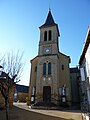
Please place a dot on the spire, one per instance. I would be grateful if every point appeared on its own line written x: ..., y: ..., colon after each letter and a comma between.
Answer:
x: 49, y: 19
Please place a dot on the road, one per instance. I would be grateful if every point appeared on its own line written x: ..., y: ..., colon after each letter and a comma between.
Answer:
x: 21, y: 111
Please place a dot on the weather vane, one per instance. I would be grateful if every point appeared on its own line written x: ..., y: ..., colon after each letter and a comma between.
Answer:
x: 49, y: 6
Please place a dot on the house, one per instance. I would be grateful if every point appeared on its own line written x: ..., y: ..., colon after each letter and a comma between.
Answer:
x: 50, y: 73
x: 21, y: 92
x: 84, y: 64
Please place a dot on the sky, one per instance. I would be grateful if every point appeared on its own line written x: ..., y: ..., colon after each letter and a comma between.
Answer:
x: 20, y: 21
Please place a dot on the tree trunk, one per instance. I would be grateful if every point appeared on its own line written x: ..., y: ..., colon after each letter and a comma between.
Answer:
x: 7, y: 108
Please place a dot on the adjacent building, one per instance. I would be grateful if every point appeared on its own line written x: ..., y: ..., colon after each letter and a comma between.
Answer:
x: 21, y: 93
x: 50, y: 73
x: 75, y: 93
x: 84, y: 63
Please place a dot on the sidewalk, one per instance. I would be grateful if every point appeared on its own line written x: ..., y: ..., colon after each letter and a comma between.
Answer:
x: 69, y: 115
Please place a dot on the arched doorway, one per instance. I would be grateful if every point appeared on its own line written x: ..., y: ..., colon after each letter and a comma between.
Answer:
x: 46, y: 94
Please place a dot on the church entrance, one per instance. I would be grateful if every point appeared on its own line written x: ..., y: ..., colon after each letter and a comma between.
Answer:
x: 46, y: 94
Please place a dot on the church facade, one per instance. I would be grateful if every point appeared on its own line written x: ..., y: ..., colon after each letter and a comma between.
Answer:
x: 50, y: 73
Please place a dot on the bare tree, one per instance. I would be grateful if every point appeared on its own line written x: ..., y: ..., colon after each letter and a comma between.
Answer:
x: 12, y: 68
x: 12, y: 64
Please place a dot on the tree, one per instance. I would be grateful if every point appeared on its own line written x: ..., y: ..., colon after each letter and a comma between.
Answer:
x: 12, y: 68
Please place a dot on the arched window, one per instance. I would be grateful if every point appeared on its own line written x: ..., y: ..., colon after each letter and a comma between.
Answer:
x: 49, y: 68
x: 44, y: 69
x: 45, y: 36
x: 50, y: 35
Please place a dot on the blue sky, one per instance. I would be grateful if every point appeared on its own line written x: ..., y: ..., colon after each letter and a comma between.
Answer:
x: 20, y: 19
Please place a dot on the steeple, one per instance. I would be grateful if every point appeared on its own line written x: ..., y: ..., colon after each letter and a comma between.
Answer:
x: 49, y: 20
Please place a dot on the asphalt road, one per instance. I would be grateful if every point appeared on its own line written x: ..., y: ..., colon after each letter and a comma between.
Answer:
x: 23, y: 112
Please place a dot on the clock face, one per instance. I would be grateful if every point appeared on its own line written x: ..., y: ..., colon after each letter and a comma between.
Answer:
x: 47, y: 50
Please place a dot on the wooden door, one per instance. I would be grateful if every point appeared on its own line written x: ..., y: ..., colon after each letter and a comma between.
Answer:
x: 47, y: 94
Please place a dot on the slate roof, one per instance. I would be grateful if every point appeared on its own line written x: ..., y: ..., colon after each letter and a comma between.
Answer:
x: 50, y: 22
x: 49, y: 19
x: 22, y: 88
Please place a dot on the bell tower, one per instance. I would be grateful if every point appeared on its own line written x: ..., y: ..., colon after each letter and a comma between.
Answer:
x: 49, y: 34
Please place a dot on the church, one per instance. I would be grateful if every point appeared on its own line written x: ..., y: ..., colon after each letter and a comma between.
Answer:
x: 50, y: 73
